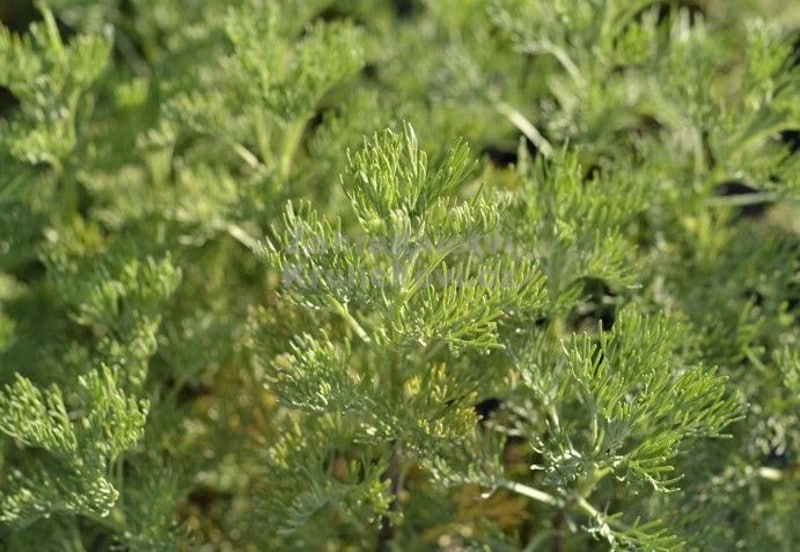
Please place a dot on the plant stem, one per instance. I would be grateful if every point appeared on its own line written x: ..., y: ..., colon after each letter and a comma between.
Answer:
x: 342, y: 310
x: 386, y: 532
x: 294, y: 132
x: 240, y: 235
x: 531, y: 492
x: 525, y: 127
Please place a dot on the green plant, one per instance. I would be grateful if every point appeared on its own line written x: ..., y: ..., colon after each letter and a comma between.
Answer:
x: 259, y: 288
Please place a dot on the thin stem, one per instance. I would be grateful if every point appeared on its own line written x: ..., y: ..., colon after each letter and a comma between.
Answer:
x: 342, y: 310
x: 240, y: 235
x: 581, y: 502
x: 556, y: 523
x: 432, y: 351
x: 742, y: 200
x: 392, y: 474
x: 127, y: 50
x: 423, y: 278
x: 561, y: 55
x: 247, y: 156
x: 531, y: 492
x: 605, y: 529
x: 525, y: 127
x: 292, y: 138
x: 262, y: 137
x: 699, y: 153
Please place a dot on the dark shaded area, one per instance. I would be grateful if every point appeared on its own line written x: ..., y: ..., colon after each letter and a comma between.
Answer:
x: 127, y: 8
x: 597, y: 310
x: 128, y: 48
x: 188, y: 392
x: 20, y: 230
x: 28, y: 272
x: 793, y: 289
x: 405, y: 9
x: 792, y: 139
x: 204, y: 504
x: 370, y: 71
x: 500, y: 157
x: 493, y: 407
x: 646, y: 125
x: 335, y: 13
x: 793, y: 300
x: 94, y: 536
x: 503, y: 157
x: 17, y: 16
x: 203, y: 497
x: 779, y: 459
x: 736, y: 188
x: 8, y: 102
x: 486, y: 407
x: 592, y: 172
x: 794, y: 57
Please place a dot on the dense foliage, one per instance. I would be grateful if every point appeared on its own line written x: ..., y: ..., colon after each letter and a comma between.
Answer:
x: 400, y: 275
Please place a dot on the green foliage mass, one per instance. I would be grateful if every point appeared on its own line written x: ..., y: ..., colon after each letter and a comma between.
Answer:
x: 402, y: 275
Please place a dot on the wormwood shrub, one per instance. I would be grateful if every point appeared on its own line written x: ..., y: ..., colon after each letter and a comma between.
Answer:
x: 409, y: 275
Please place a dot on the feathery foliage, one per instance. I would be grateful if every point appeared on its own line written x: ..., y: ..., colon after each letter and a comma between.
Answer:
x: 406, y: 275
